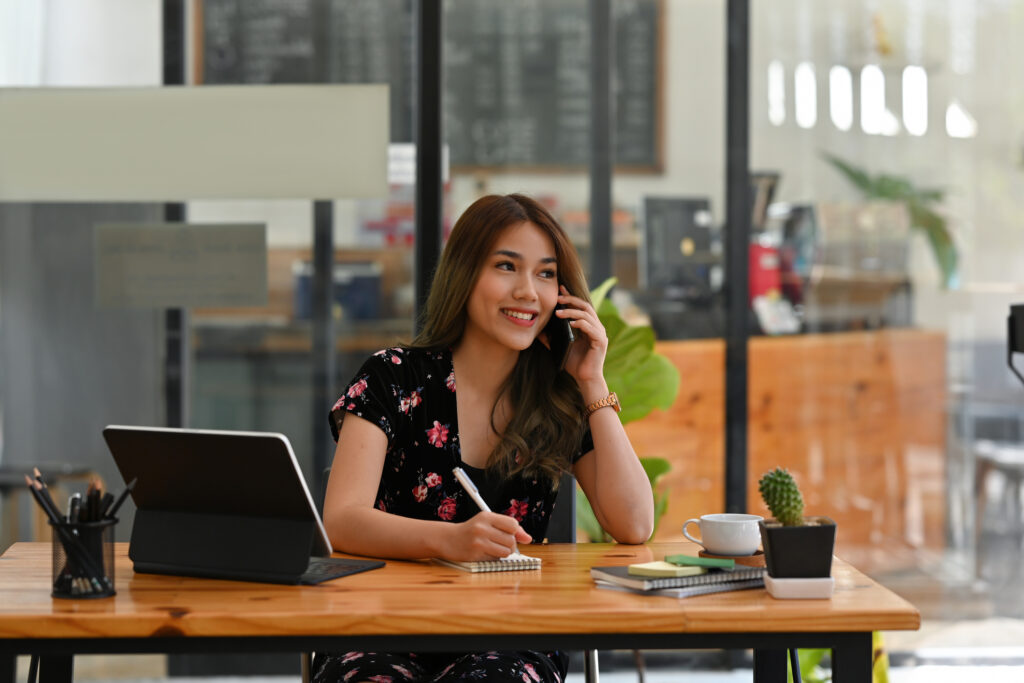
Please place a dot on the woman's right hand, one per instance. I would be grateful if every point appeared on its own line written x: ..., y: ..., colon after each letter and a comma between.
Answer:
x: 486, y: 536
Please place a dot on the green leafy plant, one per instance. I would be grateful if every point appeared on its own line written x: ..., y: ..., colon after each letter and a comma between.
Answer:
x: 643, y: 380
x: 782, y: 496
x: 919, y: 203
x: 812, y: 671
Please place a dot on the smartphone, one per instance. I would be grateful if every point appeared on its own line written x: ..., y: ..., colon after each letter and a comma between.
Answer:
x: 560, y: 338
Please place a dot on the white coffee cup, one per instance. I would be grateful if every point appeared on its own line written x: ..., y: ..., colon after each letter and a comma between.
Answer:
x: 727, y: 533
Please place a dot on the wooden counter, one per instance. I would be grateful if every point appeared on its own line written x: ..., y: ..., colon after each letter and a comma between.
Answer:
x: 859, y: 418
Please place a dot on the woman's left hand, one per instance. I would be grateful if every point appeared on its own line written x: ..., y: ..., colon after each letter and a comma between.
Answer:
x: 586, y: 356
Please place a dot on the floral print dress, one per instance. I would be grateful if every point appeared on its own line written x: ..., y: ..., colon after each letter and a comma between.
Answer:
x: 410, y: 395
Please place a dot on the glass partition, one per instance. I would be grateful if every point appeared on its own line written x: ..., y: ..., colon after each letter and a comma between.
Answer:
x: 255, y: 367
x: 70, y: 365
x: 892, y: 244
x: 669, y: 233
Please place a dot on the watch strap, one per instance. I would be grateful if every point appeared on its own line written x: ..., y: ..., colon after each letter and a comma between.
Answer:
x: 610, y: 400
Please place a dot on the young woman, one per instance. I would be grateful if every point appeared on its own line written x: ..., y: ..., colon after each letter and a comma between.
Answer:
x: 479, y: 388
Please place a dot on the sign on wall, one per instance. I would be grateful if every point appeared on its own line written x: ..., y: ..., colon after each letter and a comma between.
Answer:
x: 175, y: 265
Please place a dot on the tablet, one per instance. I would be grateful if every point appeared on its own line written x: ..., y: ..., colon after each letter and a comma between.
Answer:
x: 205, y: 497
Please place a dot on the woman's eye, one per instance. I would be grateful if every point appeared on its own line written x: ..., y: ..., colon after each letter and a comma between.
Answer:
x: 505, y: 265
x: 548, y: 274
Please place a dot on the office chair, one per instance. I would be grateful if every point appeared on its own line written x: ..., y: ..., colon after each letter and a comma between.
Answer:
x: 561, y: 529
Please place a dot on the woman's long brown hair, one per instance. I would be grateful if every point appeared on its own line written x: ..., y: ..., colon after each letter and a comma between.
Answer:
x: 547, y: 407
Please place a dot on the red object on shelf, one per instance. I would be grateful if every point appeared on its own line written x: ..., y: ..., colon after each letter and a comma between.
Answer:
x: 764, y: 270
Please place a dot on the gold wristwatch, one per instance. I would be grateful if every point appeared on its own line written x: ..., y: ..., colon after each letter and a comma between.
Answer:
x: 609, y: 400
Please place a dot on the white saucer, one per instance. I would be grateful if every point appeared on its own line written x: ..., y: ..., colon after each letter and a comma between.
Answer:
x: 800, y: 588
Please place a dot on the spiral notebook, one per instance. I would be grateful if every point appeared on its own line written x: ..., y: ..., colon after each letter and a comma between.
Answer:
x: 688, y: 591
x: 620, y: 576
x: 509, y: 563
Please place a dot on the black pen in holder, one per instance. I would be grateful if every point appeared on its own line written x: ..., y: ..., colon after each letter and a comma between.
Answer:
x: 83, y: 559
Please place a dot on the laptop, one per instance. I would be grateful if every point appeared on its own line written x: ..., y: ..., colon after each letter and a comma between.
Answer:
x: 225, y: 505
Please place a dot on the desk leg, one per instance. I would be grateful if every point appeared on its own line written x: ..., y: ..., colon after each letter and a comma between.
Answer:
x: 8, y: 668
x: 852, y: 662
x: 56, y: 668
x: 770, y: 666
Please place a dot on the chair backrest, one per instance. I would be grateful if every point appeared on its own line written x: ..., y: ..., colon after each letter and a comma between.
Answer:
x: 562, y: 527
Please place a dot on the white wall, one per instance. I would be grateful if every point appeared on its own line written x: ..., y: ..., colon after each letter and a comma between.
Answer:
x: 101, y: 42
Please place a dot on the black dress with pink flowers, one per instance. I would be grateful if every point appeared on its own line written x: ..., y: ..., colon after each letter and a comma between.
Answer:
x: 410, y: 395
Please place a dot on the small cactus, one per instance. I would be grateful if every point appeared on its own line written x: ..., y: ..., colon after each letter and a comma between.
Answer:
x: 782, y: 496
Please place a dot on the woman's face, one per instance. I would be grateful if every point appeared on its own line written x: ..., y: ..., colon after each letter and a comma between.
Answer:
x: 516, y: 291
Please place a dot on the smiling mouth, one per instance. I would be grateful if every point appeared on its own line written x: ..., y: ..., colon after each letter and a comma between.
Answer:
x: 519, y: 315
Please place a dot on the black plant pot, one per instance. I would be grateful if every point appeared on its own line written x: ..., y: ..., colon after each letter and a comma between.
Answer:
x: 798, y: 551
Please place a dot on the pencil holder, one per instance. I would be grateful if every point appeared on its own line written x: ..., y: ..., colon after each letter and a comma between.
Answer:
x: 83, y: 559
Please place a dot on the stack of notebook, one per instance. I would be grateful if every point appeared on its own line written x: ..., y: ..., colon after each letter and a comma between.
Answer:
x: 677, y: 581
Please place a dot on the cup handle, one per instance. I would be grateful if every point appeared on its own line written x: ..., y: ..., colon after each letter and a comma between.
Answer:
x: 685, y: 533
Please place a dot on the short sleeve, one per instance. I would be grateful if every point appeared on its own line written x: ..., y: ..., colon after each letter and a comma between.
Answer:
x: 368, y: 395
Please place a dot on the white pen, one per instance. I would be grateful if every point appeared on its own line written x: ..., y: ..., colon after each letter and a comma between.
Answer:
x: 471, y: 488
x: 474, y: 493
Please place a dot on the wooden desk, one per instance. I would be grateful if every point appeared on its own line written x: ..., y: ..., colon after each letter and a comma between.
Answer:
x: 418, y: 605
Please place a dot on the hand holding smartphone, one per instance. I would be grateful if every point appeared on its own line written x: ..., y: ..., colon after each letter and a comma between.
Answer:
x: 560, y: 338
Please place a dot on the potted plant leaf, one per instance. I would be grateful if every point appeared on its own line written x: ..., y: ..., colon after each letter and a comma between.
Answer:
x: 794, y: 546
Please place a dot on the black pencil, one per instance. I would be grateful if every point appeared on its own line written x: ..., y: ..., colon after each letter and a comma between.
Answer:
x: 73, y: 546
x: 39, y: 499
x: 105, y: 502
x: 92, y: 502
x: 121, y: 498
x: 42, y: 496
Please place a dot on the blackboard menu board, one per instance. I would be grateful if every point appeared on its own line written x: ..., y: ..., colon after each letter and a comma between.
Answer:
x: 516, y: 72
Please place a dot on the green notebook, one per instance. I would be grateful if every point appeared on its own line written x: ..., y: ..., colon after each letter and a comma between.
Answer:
x: 697, y: 561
